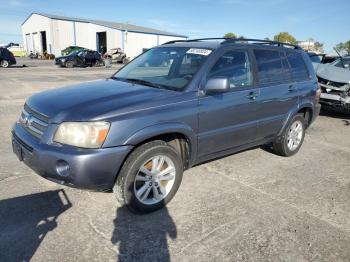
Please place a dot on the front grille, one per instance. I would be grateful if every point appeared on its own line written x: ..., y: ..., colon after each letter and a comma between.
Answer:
x: 34, y: 122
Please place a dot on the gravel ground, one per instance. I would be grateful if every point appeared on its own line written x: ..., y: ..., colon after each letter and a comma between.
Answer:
x: 251, y: 206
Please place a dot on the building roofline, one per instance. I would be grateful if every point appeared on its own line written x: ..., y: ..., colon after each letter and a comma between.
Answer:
x: 113, y: 25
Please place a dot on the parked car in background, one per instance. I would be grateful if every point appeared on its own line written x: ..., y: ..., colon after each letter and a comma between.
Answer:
x: 334, y: 80
x: 139, y: 130
x: 6, y: 58
x: 316, y: 58
x: 116, y: 55
x: 80, y: 58
x: 17, y: 51
x: 70, y: 49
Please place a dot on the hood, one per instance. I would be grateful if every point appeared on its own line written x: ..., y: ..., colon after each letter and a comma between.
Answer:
x: 96, y: 100
x: 332, y: 73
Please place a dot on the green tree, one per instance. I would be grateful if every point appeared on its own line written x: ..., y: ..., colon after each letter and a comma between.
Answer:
x: 285, y: 37
x: 319, y: 47
x: 343, y: 47
x: 230, y: 35
x: 347, y: 46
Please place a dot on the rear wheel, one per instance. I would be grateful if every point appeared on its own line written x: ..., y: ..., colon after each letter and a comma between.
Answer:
x: 4, y: 63
x: 292, y: 138
x: 149, y: 178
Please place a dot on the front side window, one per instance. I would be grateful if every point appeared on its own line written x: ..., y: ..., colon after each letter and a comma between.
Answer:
x: 235, y: 66
x: 164, y: 67
x: 297, y: 65
x: 270, y: 67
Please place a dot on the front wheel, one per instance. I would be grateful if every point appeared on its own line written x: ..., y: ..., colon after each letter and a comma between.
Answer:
x: 292, y: 138
x: 4, y: 63
x: 149, y: 178
x: 69, y: 64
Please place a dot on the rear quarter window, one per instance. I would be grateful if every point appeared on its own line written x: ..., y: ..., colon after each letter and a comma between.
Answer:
x: 298, y: 67
x: 270, y: 67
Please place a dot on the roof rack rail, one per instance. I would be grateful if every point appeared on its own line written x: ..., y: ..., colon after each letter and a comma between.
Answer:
x: 236, y: 40
x: 259, y: 41
x: 174, y: 41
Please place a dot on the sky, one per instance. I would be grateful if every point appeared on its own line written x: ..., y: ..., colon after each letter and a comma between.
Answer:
x: 323, y: 20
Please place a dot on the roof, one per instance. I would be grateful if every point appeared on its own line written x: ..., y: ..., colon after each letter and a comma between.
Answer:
x: 114, y: 25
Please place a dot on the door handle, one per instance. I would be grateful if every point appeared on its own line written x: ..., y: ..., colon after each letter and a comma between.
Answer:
x: 291, y: 88
x: 252, y: 95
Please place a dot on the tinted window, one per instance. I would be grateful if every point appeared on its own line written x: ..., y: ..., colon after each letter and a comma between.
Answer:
x: 235, y: 66
x: 270, y: 68
x: 298, y: 68
x: 286, y: 67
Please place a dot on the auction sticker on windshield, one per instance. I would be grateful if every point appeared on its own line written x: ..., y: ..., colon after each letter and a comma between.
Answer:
x: 199, y: 51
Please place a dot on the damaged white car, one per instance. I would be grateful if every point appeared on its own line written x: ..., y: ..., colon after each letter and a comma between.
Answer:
x: 334, y: 80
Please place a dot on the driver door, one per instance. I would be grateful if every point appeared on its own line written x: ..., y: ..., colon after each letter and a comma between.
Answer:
x: 229, y: 120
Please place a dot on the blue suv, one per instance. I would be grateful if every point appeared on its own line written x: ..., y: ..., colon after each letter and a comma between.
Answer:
x: 174, y: 106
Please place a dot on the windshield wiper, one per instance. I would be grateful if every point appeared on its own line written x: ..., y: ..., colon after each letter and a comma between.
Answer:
x: 137, y: 81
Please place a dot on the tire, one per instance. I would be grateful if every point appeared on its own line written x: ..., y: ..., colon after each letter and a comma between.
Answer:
x: 69, y: 64
x: 291, y: 140
x: 4, y: 63
x: 128, y: 186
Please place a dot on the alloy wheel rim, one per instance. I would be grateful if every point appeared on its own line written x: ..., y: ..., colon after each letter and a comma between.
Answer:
x: 295, y: 134
x: 154, y: 180
x: 4, y: 63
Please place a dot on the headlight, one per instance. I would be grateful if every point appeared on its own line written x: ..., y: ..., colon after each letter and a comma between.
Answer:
x: 82, y: 134
x: 63, y: 60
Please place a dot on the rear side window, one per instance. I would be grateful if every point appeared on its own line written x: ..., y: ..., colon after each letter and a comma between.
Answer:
x: 270, y: 68
x: 298, y: 67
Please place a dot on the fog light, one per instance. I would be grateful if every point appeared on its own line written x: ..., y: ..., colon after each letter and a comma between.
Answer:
x: 62, y: 168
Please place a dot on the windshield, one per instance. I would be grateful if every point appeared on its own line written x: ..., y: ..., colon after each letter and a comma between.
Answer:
x: 76, y: 51
x: 345, y: 62
x: 164, y: 67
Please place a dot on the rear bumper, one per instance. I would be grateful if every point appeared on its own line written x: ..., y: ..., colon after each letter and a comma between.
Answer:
x: 93, y: 169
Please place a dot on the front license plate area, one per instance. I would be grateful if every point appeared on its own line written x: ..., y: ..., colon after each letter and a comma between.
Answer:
x: 17, y: 149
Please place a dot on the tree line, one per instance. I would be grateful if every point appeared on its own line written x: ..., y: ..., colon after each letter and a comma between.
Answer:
x: 283, y: 37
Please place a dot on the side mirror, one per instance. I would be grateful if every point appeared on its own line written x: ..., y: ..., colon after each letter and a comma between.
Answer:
x: 217, y: 85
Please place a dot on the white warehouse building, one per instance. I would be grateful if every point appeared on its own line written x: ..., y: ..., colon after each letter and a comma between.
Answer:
x: 52, y: 33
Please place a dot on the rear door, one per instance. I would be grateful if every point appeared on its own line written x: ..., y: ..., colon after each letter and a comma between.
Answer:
x: 228, y: 120
x: 303, y: 81
x: 278, y: 93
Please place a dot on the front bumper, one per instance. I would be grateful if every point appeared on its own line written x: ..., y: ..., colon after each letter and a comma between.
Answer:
x: 336, y: 98
x: 59, y: 62
x: 93, y: 169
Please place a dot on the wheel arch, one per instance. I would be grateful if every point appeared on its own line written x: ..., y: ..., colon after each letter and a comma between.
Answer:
x: 178, y: 135
x: 305, y: 109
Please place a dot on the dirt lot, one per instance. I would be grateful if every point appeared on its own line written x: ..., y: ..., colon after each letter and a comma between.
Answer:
x: 251, y: 206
